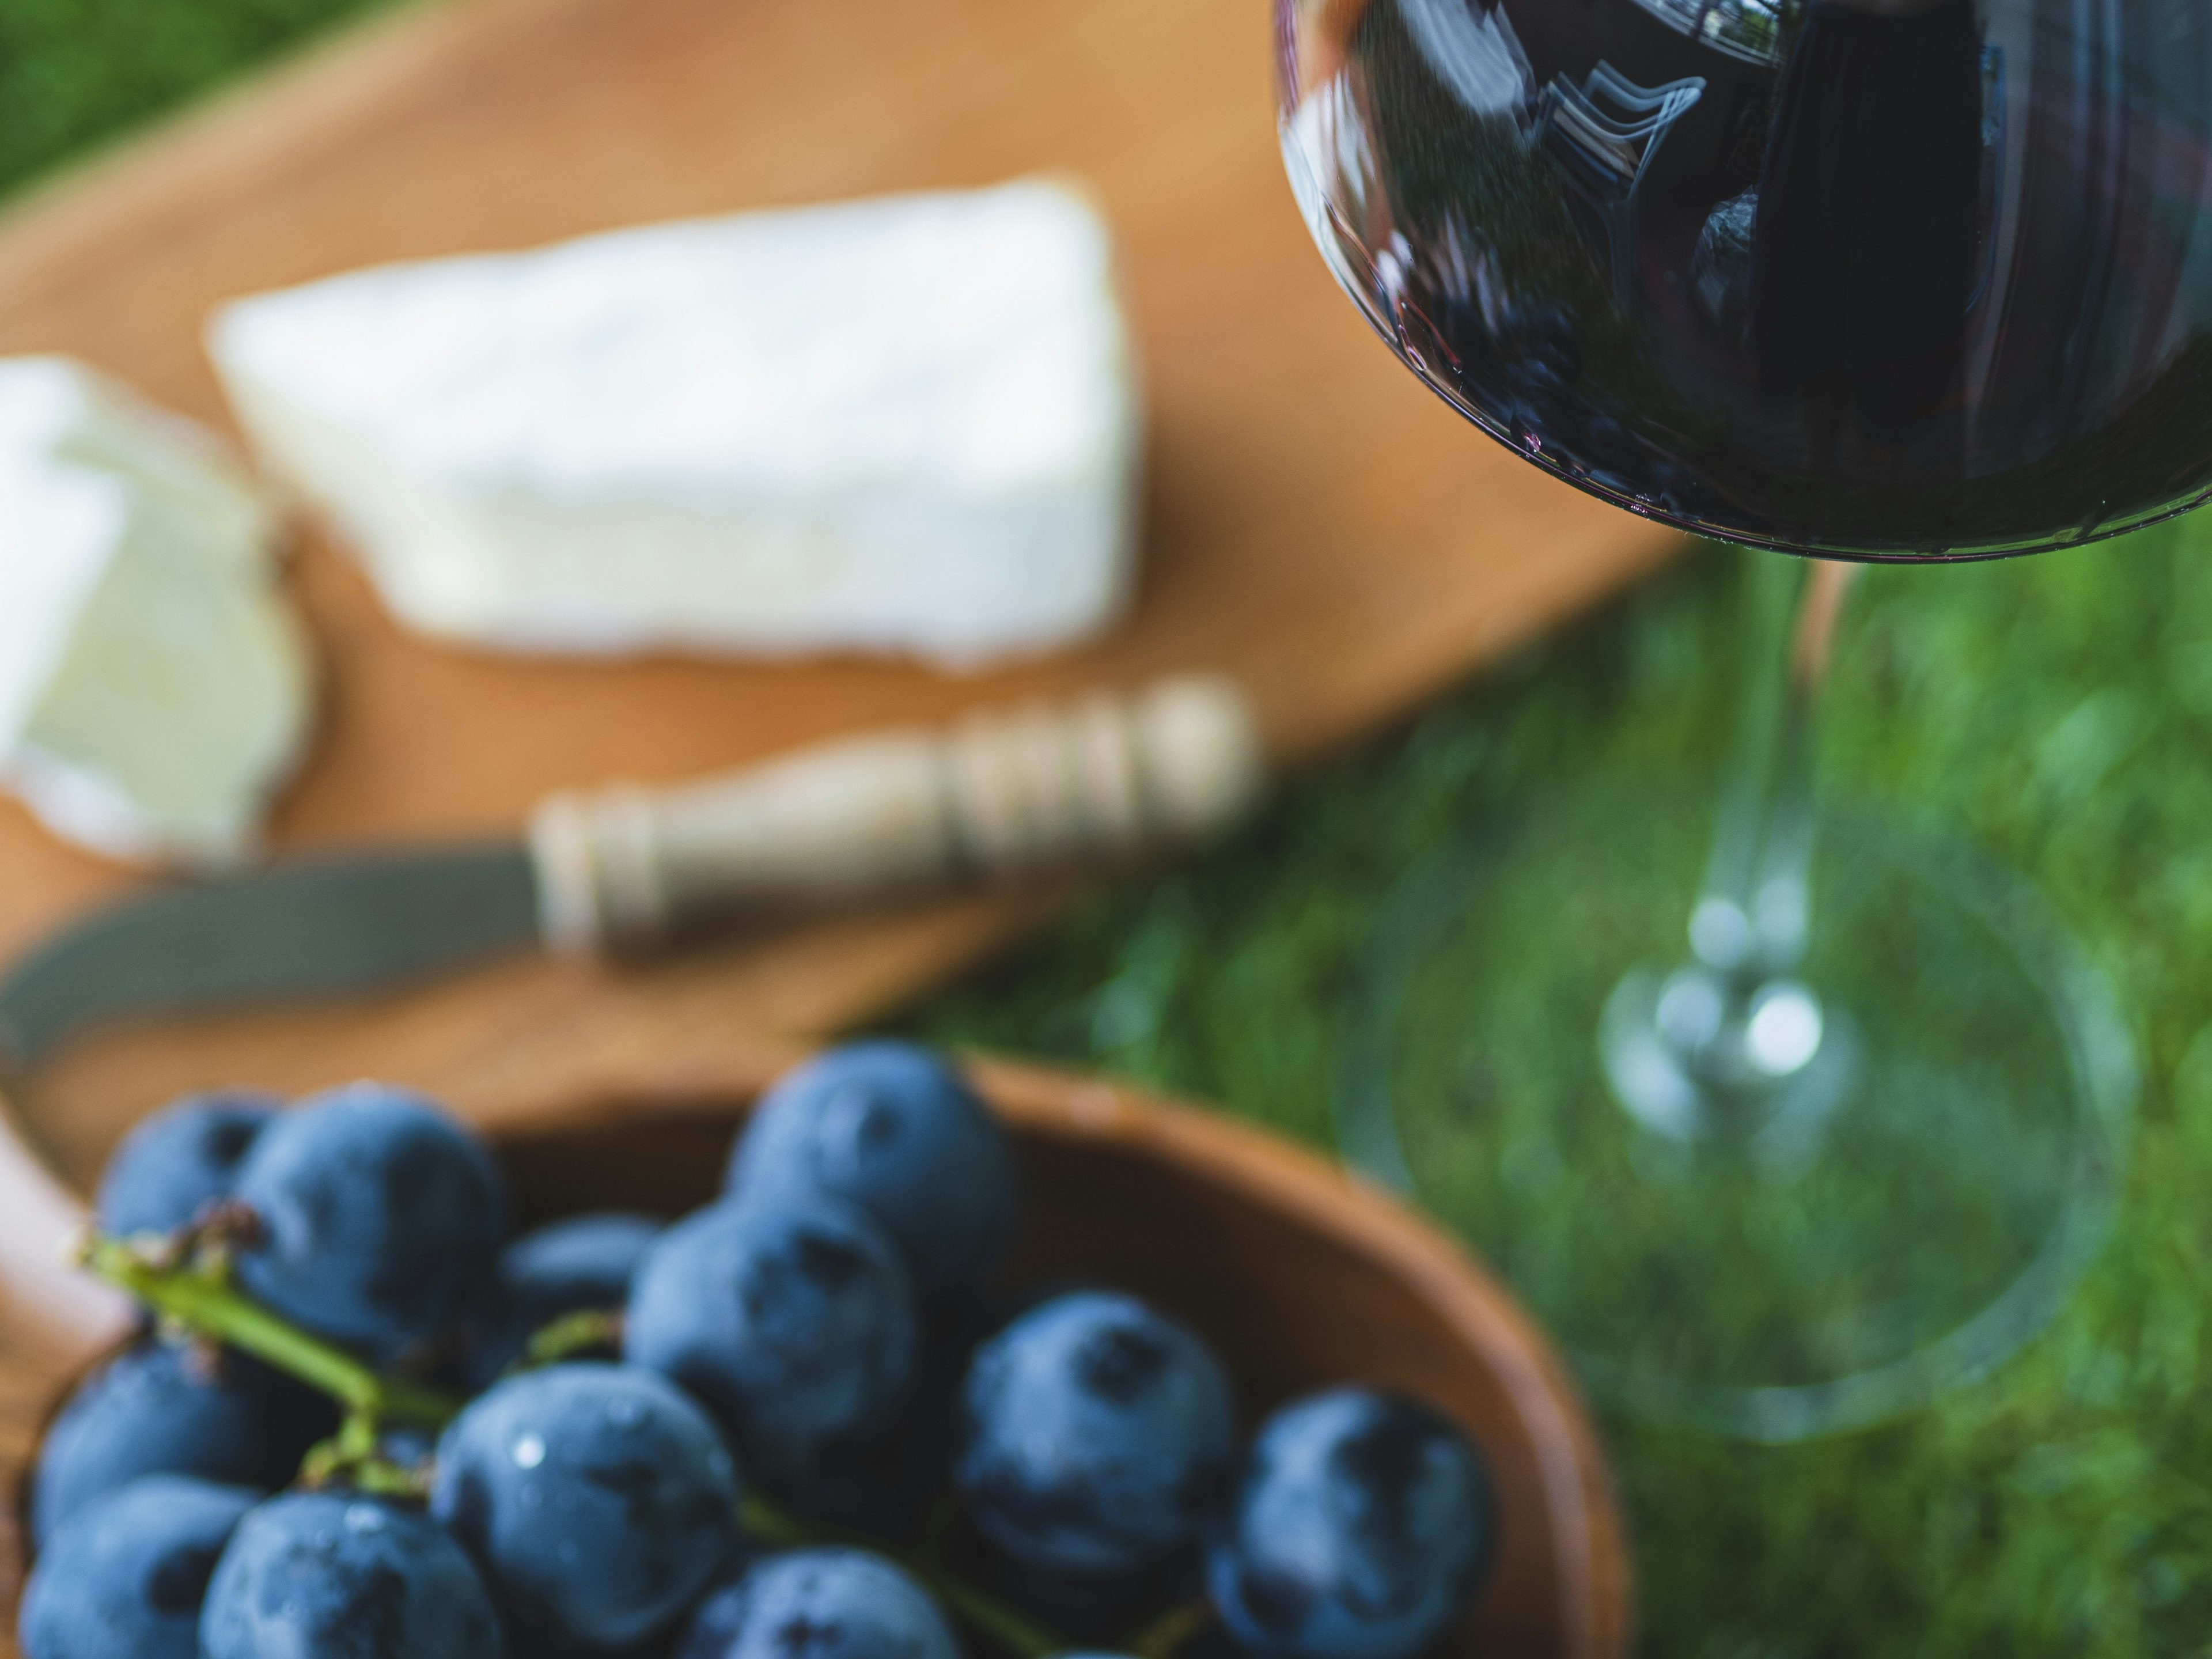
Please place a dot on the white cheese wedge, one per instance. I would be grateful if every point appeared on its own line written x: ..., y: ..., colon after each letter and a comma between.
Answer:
x: 905, y: 425
x: 155, y: 685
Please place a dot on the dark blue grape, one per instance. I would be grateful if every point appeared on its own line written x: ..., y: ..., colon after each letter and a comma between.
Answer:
x: 123, y: 1576
x: 160, y: 1409
x: 1362, y: 1530
x: 887, y: 1486
x: 820, y: 1604
x: 566, y: 1267
x: 599, y: 1499
x: 891, y: 1128
x: 176, y: 1163
x: 1097, y: 1437
x: 379, y: 1217
x: 333, y: 1575
x: 794, y: 1324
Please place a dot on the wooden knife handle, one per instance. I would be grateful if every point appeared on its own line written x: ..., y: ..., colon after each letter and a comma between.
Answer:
x: 999, y: 795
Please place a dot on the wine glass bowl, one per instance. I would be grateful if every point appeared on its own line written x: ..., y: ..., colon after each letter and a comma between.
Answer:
x: 1882, y: 279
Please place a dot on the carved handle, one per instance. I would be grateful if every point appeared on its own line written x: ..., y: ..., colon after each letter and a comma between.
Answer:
x: 899, y: 812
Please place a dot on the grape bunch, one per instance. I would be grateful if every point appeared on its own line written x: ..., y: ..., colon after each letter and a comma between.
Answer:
x: 804, y: 1422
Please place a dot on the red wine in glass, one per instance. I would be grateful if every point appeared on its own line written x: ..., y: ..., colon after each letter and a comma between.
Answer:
x: 1885, y: 279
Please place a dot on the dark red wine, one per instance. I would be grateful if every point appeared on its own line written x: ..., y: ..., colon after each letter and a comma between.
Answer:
x: 1889, y: 279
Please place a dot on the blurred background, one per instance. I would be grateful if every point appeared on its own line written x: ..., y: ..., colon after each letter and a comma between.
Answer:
x: 2058, y: 709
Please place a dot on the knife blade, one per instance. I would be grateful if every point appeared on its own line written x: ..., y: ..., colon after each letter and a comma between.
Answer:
x: 306, y: 927
x: 626, y: 868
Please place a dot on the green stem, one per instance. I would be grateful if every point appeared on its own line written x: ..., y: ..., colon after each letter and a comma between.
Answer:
x: 203, y: 1303
x: 350, y: 1457
x: 1164, y: 1636
x: 774, y: 1525
x: 590, y: 1330
x: 994, y: 1618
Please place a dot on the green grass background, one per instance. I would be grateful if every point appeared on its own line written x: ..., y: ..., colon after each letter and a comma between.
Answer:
x: 2060, y: 709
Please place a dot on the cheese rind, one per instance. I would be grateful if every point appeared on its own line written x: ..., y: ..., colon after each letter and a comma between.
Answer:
x: 905, y: 425
x: 155, y: 687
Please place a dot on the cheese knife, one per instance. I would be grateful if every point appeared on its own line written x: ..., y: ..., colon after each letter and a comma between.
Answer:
x: 627, y: 868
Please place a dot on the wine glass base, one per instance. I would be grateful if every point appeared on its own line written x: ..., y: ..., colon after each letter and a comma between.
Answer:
x: 1781, y: 1123
x: 1898, y: 1214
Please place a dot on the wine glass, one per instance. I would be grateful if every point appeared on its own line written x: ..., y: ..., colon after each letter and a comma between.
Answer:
x: 1886, y: 280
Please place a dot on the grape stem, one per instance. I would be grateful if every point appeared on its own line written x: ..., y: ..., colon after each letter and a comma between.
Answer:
x: 201, y: 1298
x: 1165, y: 1636
x: 590, y: 1330
x: 353, y: 1457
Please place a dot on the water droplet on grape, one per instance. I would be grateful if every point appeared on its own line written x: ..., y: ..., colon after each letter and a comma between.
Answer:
x: 528, y: 1451
x: 361, y: 1518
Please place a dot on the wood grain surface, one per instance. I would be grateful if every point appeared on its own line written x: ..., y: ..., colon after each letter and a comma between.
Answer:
x: 1300, y: 1275
x: 1316, y: 525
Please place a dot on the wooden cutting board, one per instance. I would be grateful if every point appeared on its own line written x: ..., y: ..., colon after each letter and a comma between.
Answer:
x: 1316, y: 525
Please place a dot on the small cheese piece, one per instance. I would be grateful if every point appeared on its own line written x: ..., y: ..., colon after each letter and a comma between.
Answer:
x: 905, y: 425
x: 155, y: 685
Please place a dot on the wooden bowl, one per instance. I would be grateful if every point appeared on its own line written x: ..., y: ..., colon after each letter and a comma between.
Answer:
x: 1301, y: 1276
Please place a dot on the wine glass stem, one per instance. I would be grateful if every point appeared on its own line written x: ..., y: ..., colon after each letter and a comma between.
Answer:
x: 1751, y: 921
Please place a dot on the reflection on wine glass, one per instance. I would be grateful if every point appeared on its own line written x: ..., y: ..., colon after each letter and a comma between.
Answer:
x: 1870, y: 279
x: 1885, y: 279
